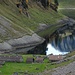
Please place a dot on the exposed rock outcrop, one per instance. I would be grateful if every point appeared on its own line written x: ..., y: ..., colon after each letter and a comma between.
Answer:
x: 21, y: 45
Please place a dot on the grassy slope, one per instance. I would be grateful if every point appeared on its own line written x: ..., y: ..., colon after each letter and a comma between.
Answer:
x: 22, y: 22
x: 67, y: 4
x: 71, y: 54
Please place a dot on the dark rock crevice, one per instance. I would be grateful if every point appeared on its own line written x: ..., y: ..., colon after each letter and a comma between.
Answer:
x: 40, y: 49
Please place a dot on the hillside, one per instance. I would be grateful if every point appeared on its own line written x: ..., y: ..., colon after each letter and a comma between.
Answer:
x: 21, y: 32
x: 14, y: 25
x: 37, y: 15
x: 31, y: 31
x: 67, y: 8
x: 67, y: 3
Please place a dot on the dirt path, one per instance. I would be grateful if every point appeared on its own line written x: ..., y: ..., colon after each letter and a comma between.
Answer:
x: 65, y: 70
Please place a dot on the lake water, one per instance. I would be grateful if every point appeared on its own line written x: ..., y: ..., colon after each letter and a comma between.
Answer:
x: 66, y: 44
x: 61, y: 46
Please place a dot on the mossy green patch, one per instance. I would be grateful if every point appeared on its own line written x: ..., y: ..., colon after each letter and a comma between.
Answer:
x: 67, y: 3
